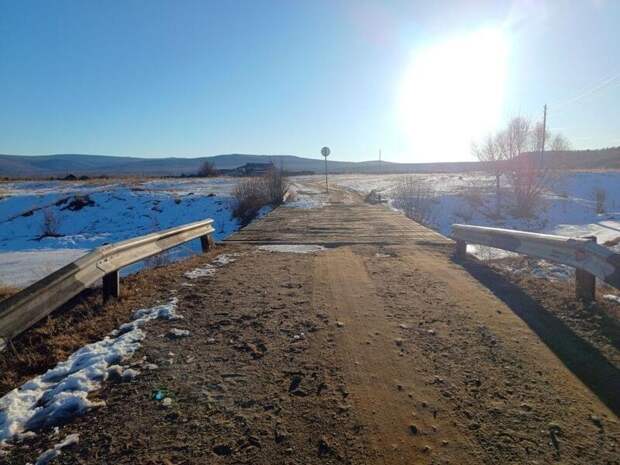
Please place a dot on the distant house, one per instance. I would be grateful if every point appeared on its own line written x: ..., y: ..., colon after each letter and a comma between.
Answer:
x: 251, y: 169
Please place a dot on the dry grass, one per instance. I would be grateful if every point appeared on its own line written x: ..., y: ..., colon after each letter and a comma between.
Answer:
x: 7, y: 291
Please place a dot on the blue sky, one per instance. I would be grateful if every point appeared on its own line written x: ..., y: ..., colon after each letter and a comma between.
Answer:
x: 193, y: 78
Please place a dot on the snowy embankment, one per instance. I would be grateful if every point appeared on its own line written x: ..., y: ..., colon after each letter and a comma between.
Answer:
x: 45, y: 225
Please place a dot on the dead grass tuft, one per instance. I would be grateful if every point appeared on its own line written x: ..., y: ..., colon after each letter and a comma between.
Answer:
x: 7, y: 291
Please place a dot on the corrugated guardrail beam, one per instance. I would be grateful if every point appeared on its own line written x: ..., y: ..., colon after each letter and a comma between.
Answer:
x: 22, y: 310
x: 589, y: 258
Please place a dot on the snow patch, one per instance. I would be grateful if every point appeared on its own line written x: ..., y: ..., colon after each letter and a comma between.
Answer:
x: 306, y: 197
x: 293, y: 248
x: 50, y: 454
x: 210, y: 269
x: 175, y: 333
x: 61, y: 393
x: 613, y: 298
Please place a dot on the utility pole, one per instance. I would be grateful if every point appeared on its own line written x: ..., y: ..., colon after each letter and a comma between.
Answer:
x: 544, y: 135
x: 379, y: 160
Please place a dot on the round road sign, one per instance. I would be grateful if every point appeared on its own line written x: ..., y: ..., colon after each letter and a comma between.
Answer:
x: 325, y: 151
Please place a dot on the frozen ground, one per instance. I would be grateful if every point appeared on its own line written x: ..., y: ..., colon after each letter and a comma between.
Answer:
x: 88, y: 214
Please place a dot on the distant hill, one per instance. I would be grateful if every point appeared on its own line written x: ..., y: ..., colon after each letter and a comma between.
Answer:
x: 42, y: 166
x: 584, y: 159
x: 96, y: 165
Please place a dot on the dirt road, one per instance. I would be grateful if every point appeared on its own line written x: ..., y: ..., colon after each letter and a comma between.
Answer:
x: 379, y: 349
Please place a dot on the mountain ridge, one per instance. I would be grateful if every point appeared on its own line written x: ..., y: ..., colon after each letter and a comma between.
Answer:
x: 58, y: 165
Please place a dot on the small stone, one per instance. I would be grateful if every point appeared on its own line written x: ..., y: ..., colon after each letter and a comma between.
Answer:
x: 222, y: 449
x: 281, y: 435
x: 340, y: 324
x: 444, y: 443
x: 413, y: 429
x: 176, y: 333
x: 166, y: 402
x: 598, y: 421
x: 431, y: 331
x: 211, y: 340
x: 324, y: 447
x: 399, y: 341
x: 427, y: 449
x: 129, y: 374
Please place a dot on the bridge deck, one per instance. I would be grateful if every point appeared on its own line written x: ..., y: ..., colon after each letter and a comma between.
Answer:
x: 345, y: 220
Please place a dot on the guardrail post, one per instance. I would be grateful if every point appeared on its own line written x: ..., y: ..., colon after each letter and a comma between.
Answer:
x: 111, y: 286
x: 206, y: 242
x: 585, y: 282
x: 461, y: 249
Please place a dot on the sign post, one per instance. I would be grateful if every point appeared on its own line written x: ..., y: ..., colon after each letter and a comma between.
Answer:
x: 325, y: 152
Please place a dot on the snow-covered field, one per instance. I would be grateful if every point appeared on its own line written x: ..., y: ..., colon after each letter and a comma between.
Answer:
x: 85, y: 215
x: 568, y: 208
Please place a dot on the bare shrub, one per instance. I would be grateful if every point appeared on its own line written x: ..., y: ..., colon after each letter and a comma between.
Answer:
x: 492, y: 157
x: 51, y: 224
x: 250, y: 196
x: 416, y: 199
x: 208, y: 170
x: 528, y: 182
x: 7, y: 291
x: 275, y: 184
x: 600, y: 195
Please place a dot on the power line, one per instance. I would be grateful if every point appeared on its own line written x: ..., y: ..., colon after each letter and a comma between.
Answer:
x: 590, y: 90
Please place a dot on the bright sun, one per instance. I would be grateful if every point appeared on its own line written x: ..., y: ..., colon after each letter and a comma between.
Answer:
x: 452, y: 94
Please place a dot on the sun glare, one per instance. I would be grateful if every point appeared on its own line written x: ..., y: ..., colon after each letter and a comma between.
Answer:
x: 452, y: 94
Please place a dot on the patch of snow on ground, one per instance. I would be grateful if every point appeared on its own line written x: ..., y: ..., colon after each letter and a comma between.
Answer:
x: 210, y: 268
x: 306, y: 197
x: 293, y: 248
x: 61, y: 393
x: 53, y: 453
x: 612, y: 298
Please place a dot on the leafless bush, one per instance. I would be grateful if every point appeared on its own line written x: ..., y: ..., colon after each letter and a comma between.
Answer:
x: 51, y: 224
x: 7, y: 291
x: 208, y: 170
x: 600, y: 196
x: 252, y: 194
x: 528, y: 182
x: 275, y: 185
x: 416, y: 199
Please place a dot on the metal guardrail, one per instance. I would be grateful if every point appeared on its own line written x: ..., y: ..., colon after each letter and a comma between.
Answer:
x: 22, y: 310
x: 589, y: 258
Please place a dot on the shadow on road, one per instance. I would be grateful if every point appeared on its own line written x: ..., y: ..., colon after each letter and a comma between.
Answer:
x: 579, y: 356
